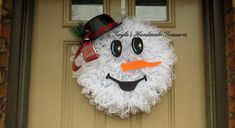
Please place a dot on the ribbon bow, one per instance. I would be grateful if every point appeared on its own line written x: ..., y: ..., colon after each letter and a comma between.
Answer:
x: 87, y: 50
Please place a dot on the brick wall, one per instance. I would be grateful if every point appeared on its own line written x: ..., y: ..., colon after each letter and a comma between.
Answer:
x: 5, y: 27
x: 229, y: 19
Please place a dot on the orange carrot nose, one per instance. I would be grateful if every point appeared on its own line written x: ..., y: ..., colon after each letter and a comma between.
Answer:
x: 138, y: 64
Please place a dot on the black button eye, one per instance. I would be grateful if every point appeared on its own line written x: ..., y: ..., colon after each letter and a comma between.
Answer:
x: 137, y: 45
x: 116, y: 48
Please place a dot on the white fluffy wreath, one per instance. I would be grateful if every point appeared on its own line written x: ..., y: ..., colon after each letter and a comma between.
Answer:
x: 104, y: 93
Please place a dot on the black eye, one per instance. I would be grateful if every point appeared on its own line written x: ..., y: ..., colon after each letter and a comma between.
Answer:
x: 137, y: 45
x: 116, y: 48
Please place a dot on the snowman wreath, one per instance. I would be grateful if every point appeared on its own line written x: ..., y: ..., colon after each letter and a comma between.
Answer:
x: 122, y: 76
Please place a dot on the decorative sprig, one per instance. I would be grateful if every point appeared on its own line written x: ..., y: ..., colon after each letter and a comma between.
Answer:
x: 78, y: 31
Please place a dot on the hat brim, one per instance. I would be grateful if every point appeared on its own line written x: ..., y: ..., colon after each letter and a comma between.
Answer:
x: 104, y: 30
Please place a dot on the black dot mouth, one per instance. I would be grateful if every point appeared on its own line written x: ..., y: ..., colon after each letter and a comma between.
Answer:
x: 126, y: 85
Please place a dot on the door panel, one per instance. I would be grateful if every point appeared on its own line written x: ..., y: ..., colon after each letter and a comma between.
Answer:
x: 56, y: 101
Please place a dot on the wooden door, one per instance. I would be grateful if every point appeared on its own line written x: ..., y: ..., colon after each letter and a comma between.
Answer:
x: 56, y: 101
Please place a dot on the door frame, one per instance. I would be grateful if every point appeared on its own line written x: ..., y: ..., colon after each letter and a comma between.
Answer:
x: 19, y: 64
x: 215, y: 64
x: 20, y: 58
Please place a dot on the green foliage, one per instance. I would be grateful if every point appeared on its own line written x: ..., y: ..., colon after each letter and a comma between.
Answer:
x: 78, y: 31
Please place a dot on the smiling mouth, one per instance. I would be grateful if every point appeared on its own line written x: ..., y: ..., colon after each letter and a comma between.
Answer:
x: 126, y: 85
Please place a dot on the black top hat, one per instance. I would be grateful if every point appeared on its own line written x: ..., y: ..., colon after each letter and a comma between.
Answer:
x: 100, y: 25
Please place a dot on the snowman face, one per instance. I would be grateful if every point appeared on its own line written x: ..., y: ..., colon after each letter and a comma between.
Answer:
x: 132, y: 71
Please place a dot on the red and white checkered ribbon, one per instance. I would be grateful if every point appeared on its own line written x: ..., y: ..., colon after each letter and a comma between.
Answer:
x: 87, y: 50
